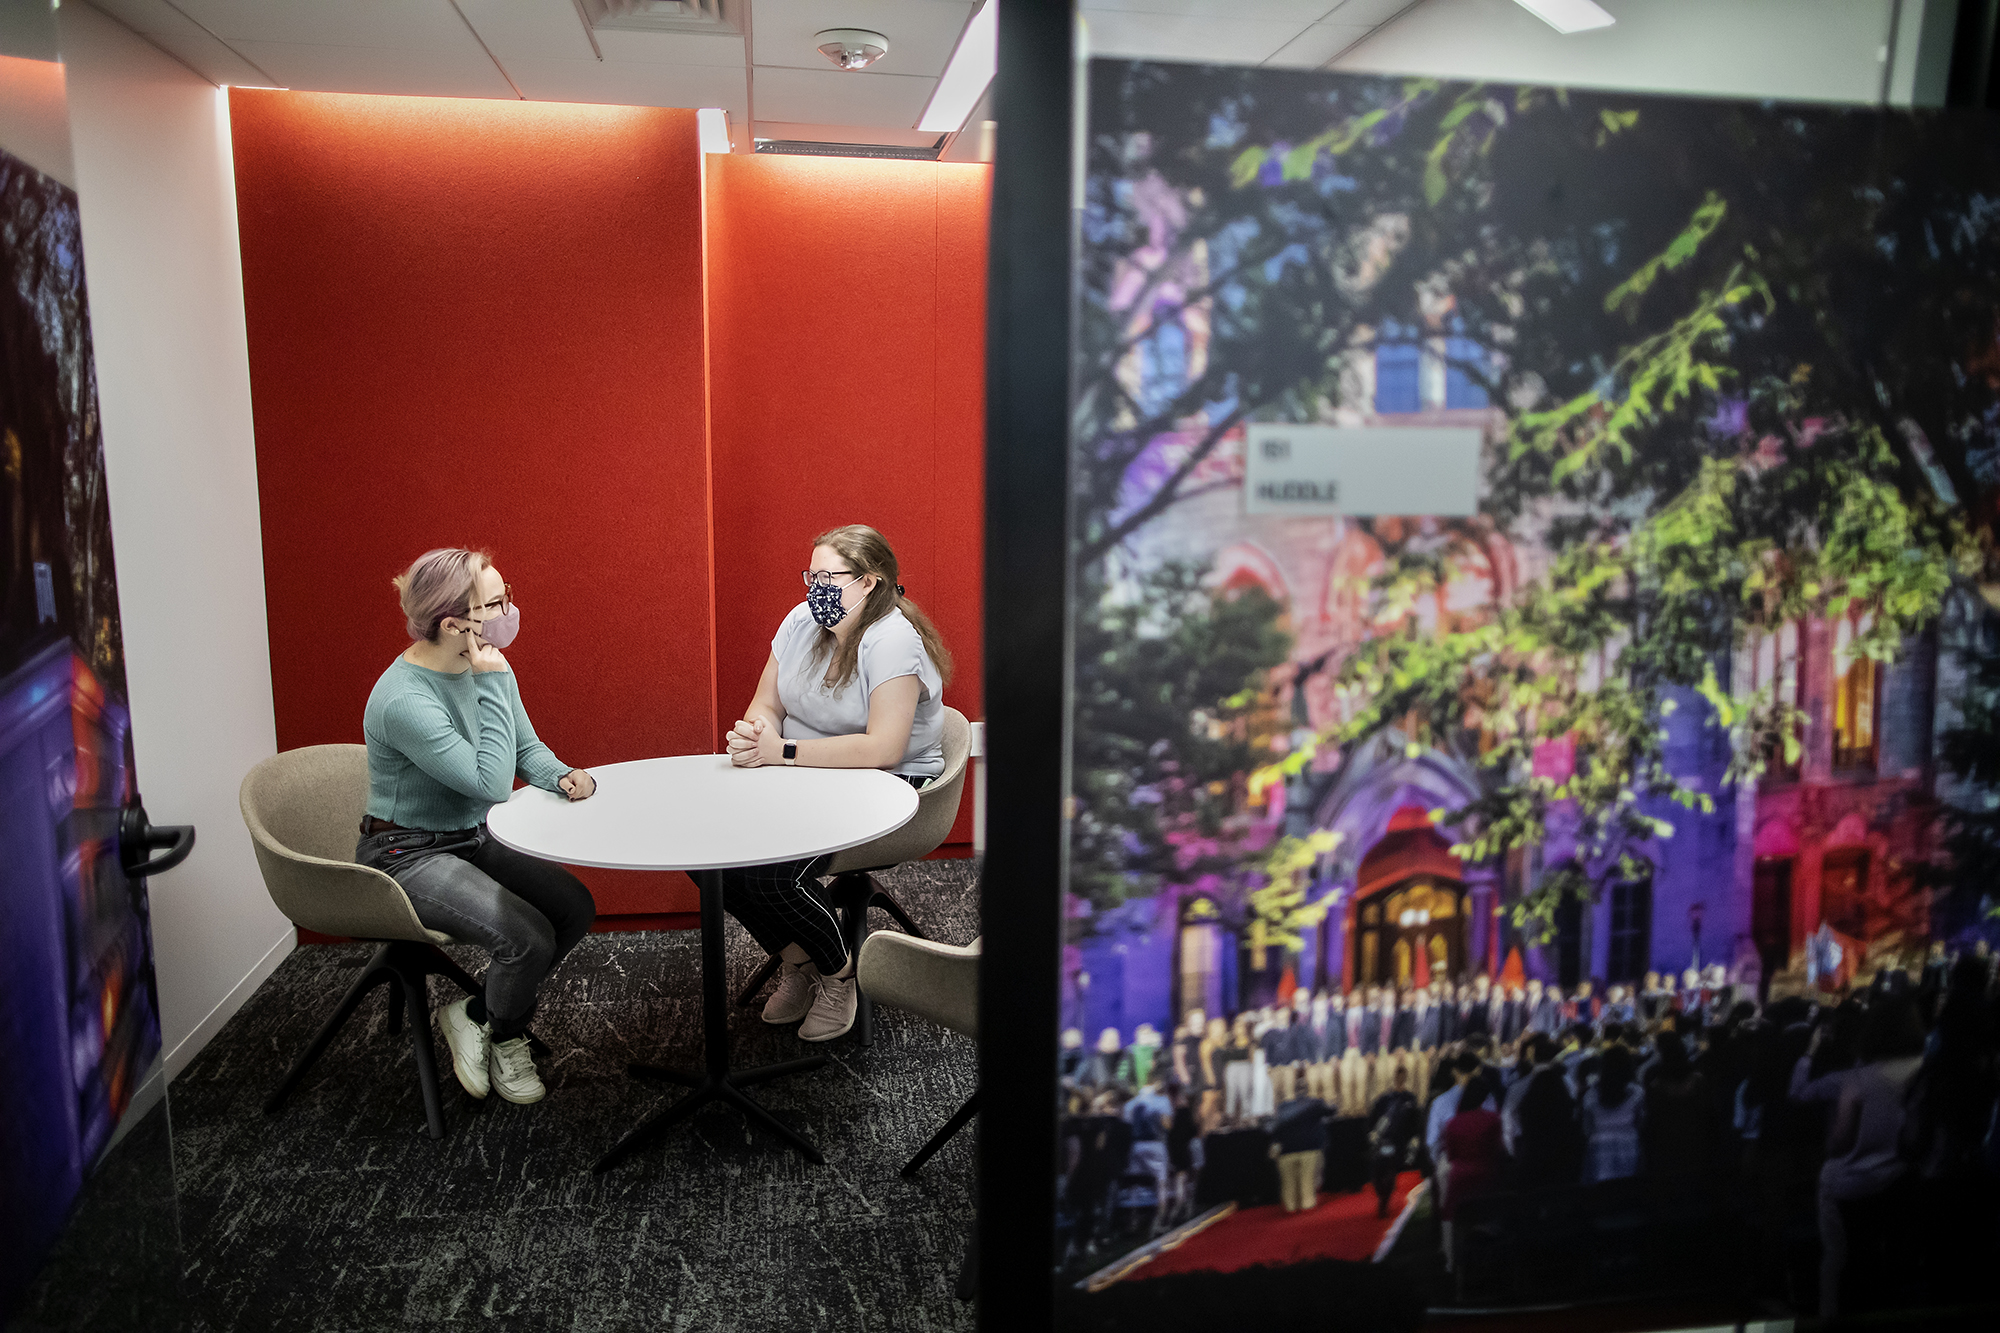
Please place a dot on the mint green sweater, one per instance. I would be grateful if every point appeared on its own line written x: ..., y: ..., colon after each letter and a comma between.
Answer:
x: 444, y: 749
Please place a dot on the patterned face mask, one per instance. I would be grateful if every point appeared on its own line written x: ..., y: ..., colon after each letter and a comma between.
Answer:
x: 823, y: 600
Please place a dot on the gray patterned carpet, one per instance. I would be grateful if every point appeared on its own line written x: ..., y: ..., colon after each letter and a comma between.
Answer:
x: 339, y: 1214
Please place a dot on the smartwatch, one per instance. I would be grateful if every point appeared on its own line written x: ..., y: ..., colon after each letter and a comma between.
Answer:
x: 792, y: 754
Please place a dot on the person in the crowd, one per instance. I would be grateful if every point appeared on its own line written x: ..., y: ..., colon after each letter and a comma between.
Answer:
x: 1427, y: 1036
x: 1100, y: 1068
x: 1367, y: 1031
x: 1655, y: 1000
x: 1544, y: 1010
x: 1862, y: 1147
x: 1070, y: 1058
x: 1472, y: 1144
x: 1235, y: 1062
x: 1480, y: 1018
x: 1281, y: 1069
x: 1547, y: 1143
x: 1612, y: 1116
x: 1353, y: 1073
x: 1326, y: 1043
x: 1399, y: 1026
x: 1392, y: 1138
x: 855, y: 679
x: 1721, y: 995
x: 1187, y: 1050
x: 1150, y: 1113
x: 1679, y: 1135
x: 1947, y: 1133
x: 1585, y: 1006
x: 1262, y: 1100
x: 447, y: 735
x: 1444, y: 1006
x: 1214, y: 1063
x: 1106, y: 1143
x: 1536, y: 1052
x: 1692, y: 1002
x: 1462, y: 1068
x: 1618, y: 1008
x: 1298, y: 1143
x: 1141, y: 1058
x: 1183, y: 1160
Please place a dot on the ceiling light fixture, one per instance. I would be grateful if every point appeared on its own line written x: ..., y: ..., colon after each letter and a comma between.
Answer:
x: 1567, y: 16
x: 851, y: 48
x: 966, y: 76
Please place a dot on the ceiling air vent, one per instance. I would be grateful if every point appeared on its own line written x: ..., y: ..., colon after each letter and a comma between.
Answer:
x: 661, y: 15
x: 814, y: 148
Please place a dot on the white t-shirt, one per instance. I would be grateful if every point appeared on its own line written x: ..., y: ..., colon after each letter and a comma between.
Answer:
x: 890, y: 647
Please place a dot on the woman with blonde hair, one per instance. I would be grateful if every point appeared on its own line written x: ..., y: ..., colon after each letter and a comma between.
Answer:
x: 855, y: 680
x: 446, y: 737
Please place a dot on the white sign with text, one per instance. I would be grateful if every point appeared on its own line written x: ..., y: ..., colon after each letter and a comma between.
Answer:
x: 1407, y: 470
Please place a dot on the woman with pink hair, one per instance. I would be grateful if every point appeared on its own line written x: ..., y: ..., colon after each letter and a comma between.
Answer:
x: 446, y: 736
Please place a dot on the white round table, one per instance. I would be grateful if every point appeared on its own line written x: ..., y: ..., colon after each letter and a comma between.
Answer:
x: 700, y: 814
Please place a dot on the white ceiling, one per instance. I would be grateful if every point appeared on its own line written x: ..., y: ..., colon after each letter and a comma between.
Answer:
x: 767, y: 67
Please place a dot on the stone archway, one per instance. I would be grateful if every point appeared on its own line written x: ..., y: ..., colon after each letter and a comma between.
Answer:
x: 1380, y: 779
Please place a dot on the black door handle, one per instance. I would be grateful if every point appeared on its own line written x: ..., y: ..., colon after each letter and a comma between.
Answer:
x: 138, y: 837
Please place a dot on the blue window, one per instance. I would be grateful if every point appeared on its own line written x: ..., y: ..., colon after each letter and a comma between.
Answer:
x: 1396, y: 365
x: 1459, y: 388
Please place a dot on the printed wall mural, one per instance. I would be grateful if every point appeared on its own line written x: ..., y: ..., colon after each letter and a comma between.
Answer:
x: 79, y: 1018
x: 1673, y: 751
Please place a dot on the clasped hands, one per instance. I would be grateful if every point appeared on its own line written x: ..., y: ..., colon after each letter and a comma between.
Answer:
x: 754, y: 743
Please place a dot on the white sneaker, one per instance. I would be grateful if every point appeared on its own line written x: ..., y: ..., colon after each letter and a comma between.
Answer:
x: 794, y: 996
x: 513, y: 1070
x: 468, y: 1042
x: 832, y: 1014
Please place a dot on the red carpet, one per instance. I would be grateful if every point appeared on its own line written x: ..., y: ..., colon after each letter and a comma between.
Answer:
x: 1343, y: 1226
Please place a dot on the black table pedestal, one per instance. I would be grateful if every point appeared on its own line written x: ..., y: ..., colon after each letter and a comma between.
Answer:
x: 715, y: 1081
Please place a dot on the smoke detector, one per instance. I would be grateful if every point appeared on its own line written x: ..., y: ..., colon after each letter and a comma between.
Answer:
x: 851, y: 48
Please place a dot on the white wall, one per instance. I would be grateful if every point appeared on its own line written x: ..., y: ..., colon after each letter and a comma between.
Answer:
x: 157, y: 189
x: 1813, y: 50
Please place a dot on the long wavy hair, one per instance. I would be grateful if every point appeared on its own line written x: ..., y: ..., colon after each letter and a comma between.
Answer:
x: 865, y: 552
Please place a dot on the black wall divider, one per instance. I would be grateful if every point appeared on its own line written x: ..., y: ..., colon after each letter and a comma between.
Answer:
x: 1029, y: 302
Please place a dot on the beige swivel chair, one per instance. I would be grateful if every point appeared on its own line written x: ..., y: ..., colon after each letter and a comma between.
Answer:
x: 931, y: 980
x: 304, y: 810
x: 939, y: 982
x: 854, y: 889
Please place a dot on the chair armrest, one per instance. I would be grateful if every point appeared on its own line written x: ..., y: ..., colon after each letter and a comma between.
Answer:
x: 340, y: 897
x: 935, y: 981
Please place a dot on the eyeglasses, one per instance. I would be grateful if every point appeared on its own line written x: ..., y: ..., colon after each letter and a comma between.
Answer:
x: 499, y: 606
x: 824, y: 578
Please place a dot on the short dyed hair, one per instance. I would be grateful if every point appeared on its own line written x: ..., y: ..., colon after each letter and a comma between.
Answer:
x: 438, y: 584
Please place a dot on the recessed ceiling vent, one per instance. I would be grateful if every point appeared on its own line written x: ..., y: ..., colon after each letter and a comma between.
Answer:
x: 814, y: 148
x: 661, y: 15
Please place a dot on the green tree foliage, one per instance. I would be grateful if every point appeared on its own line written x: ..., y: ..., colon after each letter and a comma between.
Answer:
x: 1746, y: 355
x: 1169, y: 678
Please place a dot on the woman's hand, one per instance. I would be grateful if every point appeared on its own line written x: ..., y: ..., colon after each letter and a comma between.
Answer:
x: 743, y: 741
x: 483, y: 656
x: 577, y: 784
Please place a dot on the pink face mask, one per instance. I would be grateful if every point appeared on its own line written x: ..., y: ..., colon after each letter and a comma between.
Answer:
x: 501, y: 630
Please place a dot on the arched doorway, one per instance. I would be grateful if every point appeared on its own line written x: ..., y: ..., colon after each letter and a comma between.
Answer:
x: 1409, y: 916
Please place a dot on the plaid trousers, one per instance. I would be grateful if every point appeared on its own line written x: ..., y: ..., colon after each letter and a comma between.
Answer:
x: 781, y: 904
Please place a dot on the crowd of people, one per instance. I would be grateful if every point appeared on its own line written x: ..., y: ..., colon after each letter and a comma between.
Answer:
x: 1804, y: 1114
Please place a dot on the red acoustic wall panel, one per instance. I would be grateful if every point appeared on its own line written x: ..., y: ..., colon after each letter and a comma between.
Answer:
x: 482, y: 323
x: 847, y: 324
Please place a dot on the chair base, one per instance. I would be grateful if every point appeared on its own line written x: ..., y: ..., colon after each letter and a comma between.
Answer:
x: 958, y: 1121
x: 853, y: 893
x: 405, y: 967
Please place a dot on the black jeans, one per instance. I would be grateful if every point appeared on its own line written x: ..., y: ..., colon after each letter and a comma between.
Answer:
x: 526, y: 913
